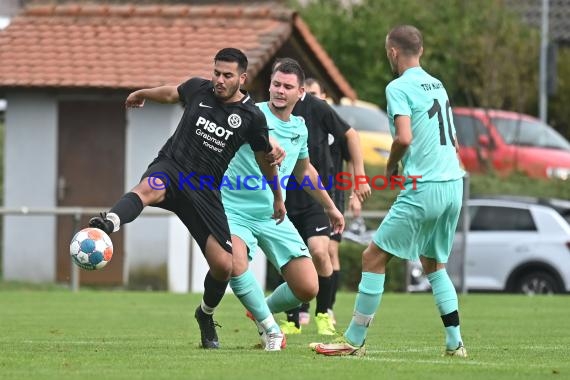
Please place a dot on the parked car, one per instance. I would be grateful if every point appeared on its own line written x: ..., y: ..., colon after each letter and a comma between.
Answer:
x: 514, y: 244
x: 371, y: 123
x: 509, y: 141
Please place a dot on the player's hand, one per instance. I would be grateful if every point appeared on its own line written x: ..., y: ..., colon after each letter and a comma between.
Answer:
x: 355, y: 206
x: 276, y: 155
x: 362, y: 192
x: 134, y: 100
x: 279, y: 211
x: 336, y: 219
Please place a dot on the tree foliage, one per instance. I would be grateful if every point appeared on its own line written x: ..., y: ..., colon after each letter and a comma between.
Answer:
x: 482, y: 52
x: 559, y: 112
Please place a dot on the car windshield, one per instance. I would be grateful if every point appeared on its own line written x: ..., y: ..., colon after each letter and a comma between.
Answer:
x: 363, y: 119
x: 530, y: 133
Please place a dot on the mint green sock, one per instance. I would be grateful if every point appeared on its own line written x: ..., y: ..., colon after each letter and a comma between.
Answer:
x: 282, y: 299
x: 367, y: 302
x: 448, y: 306
x: 250, y: 294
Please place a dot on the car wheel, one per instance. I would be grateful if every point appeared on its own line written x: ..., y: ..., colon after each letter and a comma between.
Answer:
x: 537, y: 283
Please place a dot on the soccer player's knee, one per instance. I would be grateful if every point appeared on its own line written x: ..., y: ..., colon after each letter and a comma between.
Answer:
x: 222, y: 270
x: 320, y: 257
x: 373, y: 261
x: 149, y: 194
x: 239, y: 267
x: 304, y: 289
x: 307, y: 293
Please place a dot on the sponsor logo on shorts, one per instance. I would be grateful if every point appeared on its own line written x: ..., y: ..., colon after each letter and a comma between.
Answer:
x: 319, y: 229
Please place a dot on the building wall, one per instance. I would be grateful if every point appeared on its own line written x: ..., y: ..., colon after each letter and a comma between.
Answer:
x: 31, y: 163
x: 148, y: 128
x: 30, y: 177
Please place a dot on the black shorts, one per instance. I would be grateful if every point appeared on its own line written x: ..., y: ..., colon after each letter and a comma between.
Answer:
x: 312, y: 221
x: 201, y: 210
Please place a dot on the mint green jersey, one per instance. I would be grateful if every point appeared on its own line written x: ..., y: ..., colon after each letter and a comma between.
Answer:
x: 432, y: 153
x: 244, y: 189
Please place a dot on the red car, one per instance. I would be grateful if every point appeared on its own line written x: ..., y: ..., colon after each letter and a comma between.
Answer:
x: 506, y: 141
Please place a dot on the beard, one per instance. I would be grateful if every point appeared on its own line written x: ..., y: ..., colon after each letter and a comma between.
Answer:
x: 227, y: 93
x: 278, y: 108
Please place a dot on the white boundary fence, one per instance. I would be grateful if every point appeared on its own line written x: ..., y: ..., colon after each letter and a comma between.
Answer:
x: 78, y: 212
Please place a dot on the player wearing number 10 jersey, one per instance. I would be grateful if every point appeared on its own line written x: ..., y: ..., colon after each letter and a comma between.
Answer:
x: 421, y: 223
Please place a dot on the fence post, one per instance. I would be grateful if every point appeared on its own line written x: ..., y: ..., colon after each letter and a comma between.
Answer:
x: 464, y: 231
x: 75, y: 268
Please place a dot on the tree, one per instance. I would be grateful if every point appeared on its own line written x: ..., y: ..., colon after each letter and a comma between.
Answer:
x: 482, y: 52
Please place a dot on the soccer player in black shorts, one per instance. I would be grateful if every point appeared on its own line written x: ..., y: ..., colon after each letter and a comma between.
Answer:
x: 323, y: 124
x: 184, y: 178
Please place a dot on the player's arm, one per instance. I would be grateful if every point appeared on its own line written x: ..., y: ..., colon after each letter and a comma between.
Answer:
x: 402, y: 140
x: 354, y: 203
x: 350, y: 140
x: 304, y: 169
x: 162, y: 94
x: 361, y: 190
x: 270, y: 172
x: 277, y: 154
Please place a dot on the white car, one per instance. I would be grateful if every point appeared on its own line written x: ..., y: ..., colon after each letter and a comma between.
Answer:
x: 518, y: 245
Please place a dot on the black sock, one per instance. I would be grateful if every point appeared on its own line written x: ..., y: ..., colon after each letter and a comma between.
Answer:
x: 128, y: 208
x: 451, y: 319
x: 336, y: 283
x: 324, y: 295
x: 293, y: 316
x: 214, y: 290
x: 305, y: 307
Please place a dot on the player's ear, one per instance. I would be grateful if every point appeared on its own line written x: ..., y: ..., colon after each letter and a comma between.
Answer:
x: 243, y: 78
x: 301, y: 91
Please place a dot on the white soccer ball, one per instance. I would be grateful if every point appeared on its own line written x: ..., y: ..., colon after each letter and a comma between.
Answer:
x: 91, y: 248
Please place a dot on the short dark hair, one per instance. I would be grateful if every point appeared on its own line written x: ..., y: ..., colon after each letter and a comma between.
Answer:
x: 311, y: 81
x: 407, y: 38
x: 232, y: 55
x: 281, y: 60
x: 289, y: 66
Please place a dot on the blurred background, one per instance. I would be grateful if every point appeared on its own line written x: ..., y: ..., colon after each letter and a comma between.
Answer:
x: 70, y: 149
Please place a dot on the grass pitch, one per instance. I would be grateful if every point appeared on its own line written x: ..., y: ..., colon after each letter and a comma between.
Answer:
x: 55, y: 334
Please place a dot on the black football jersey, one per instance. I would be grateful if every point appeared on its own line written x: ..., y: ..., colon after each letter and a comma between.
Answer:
x: 326, y: 129
x: 210, y: 131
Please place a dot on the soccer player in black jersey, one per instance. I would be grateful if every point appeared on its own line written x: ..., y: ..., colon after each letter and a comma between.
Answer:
x: 339, y: 154
x: 323, y: 123
x: 184, y: 178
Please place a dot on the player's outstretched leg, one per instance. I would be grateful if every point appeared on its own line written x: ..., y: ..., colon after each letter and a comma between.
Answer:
x: 127, y: 209
x: 248, y: 291
x: 368, y: 299
x: 448, y: 306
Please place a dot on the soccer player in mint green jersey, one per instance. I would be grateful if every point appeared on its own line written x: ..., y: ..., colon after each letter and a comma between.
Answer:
x: 421, y: 223
x: 248, y: 202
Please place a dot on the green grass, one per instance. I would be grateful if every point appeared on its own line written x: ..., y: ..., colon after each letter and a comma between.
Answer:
x: 56, y: 334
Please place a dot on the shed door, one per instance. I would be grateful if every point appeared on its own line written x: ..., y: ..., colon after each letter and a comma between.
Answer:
x: 91, y: 163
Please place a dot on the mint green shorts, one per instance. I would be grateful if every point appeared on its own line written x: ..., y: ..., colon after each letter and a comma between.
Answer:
x: 422, y: 221
x: 281, y: 243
